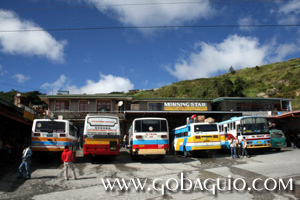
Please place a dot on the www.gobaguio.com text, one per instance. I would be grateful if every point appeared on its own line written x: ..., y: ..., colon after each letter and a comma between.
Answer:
x: 188, y: 185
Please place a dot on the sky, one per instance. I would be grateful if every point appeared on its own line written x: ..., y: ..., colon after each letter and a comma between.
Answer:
x: 103, y: 46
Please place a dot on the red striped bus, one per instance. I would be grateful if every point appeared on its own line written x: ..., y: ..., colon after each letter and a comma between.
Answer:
x: 149, y: 136
x: 101, y: 135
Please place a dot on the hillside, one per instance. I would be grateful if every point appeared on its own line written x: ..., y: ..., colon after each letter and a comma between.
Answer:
x: 278, y: 80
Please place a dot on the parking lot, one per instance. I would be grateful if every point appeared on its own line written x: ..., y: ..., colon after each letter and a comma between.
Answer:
x: 272, y: 175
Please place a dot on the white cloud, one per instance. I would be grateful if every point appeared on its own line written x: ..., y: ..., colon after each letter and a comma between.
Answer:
x: 31, y: 43
x: 60, y: 83
x: 236, y: 51
x: 105, y: 84
x: 288, y: 13
x: 156, y: 13
x: 247, y: 21
x: 21, y: 78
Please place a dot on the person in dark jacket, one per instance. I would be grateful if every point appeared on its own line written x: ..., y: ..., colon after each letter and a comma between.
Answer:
x: 26, y: 161
x: 67, y: 158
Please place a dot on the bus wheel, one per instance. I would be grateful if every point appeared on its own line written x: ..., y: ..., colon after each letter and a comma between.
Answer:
x: 185, y: 153
x: 175, y: 153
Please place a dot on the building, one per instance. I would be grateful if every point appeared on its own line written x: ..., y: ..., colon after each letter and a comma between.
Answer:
x: 176, y: 110
x: 15, y: 130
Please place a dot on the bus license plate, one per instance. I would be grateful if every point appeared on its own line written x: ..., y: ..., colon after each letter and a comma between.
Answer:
x: 258, y: 142
x: 278, y: 143
x: 141, y: 145
x: 206, y: 140
x: 49, y: 135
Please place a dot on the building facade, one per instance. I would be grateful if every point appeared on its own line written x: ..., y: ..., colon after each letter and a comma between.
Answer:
x: 176, y: 110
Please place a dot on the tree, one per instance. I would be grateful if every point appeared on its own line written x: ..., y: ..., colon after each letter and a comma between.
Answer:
x: 219, y: 88
x: 239, y: 84
x: 231, y: 70
x: 228, y: 88
x: 9, y: 96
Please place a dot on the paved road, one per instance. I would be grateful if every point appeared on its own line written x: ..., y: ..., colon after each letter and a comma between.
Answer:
x: 162, y: 178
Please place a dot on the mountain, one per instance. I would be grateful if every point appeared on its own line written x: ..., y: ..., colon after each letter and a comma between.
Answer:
x: 277, y: 80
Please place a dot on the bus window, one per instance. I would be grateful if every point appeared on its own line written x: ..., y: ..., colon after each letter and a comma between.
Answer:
x: 50, y: 126
x: 137, y: 126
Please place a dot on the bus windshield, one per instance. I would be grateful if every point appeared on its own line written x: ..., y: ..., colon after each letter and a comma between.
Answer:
x: 205, y: 128
x: 50, y: 126
x: 151, y: 126
x: 256, y: 125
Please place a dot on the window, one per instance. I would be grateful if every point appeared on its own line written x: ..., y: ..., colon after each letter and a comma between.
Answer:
x: 83, y: 106
x: 150, y: 126
x: 61, y: 105
x: 73, y: 130
x: 249, y: 107
x: 103, y: 106
x: 206, y: 128
x: 156, y: 106
x: 255, y: 125
x: 50, y: 126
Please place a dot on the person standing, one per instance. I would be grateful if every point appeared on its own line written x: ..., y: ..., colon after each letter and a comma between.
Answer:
x: 244, y: 148
x: 67, y: 158
x: 26, y: 161
x: 233, y: 148
x: 238, y: 147
x: 292, y: 141
x: 124, y: 141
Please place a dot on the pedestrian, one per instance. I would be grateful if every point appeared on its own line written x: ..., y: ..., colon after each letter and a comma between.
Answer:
x: 292, y: 140
x: 79, y: 142
x: 244, y: 147
x: 238, y: 147
x: 26, y: 161
x: 233, y: 147
x: 124, y: 141
x: 67, y: 158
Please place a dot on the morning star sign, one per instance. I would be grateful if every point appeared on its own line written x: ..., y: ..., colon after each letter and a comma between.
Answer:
x: 188, y: 106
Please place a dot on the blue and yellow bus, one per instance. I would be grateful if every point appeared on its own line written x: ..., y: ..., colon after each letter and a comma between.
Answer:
x: 195, y: 138
x: 254, y: 128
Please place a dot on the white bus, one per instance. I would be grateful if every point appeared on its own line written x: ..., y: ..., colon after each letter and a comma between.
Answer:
x: 254, y: 128
x: 52, y: 135
x: 101, y: 135
x: 149, y: 136
x: 196, y: 138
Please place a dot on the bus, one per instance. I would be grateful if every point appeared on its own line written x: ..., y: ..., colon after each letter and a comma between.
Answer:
x: 254, y: 128
x: 278, y: 139
x: 195, y: 138
x: 149, y: 137
x: 101, y: 135
x: 51, y: 135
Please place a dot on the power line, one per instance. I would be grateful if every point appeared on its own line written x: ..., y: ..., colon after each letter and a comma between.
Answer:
x: 146, y: 4
x: 150, y: 27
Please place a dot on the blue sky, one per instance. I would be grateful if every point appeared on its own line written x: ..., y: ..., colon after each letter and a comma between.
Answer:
x: 34, y: 56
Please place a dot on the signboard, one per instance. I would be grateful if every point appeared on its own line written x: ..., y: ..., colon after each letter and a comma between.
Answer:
x: 28, y: 113
x: 62, y: 92
x: 188, y: 106
x: 102, y: 126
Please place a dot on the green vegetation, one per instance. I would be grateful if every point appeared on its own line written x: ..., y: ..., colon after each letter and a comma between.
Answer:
x: 277, y: 80
x: 32, y: 96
